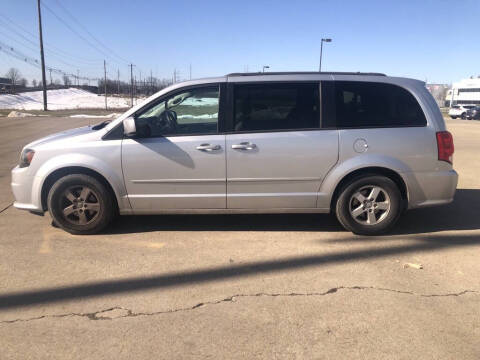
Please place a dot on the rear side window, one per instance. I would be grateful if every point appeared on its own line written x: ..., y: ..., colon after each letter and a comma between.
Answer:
x: 276, y: 106
x: 368, y: 104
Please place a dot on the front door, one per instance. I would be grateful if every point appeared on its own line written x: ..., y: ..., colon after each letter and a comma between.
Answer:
x: 177, y: 159
x: 277, y: 156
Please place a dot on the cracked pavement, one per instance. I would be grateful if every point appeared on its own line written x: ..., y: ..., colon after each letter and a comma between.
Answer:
x: 236, y: 287
x: 120, y: 312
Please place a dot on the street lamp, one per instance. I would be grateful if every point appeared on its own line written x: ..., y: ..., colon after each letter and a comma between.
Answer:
x: 265, y: 67
x: 321, y: 50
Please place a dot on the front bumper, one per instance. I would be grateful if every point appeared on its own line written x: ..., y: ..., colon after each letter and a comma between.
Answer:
x: 22, y: 188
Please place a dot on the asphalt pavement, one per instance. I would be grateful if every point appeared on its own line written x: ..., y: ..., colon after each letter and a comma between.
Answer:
x: 240, y: 286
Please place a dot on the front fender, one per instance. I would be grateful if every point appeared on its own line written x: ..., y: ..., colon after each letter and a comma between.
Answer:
x: 109, y: 172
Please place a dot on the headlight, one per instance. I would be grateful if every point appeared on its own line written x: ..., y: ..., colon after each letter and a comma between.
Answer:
x: 26, y: 157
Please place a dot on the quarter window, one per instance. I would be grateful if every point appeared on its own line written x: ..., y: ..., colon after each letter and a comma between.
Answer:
x: 187, y: 113
x: 368, y: 104
x: 276, y: 106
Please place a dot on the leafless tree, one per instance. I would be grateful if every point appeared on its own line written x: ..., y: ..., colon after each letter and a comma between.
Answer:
x: 34, y: 83
x: 23, y: 82
x: 66, y: 80
x: 13, y: 74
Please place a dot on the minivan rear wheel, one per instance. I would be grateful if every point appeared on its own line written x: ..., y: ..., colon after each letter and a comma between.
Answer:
x: 369, y: 205
x: 80, y: 204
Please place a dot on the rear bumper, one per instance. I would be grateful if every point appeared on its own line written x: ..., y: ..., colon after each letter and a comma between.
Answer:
x: 431, y: 188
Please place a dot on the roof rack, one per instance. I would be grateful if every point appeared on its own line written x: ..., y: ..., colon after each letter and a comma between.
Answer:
x: 306, y: 73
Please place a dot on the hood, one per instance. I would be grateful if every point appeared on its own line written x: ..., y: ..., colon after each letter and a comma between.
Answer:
x: 62, y: 136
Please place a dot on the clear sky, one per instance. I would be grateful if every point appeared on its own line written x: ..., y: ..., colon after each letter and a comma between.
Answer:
x: 425, y: 39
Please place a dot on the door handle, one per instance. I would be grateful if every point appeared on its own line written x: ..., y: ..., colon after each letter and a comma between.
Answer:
x: 244, y: 146
x: 208, y: 147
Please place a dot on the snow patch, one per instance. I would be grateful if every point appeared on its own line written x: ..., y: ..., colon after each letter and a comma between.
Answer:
x: 193, y: 101
x: 15, y: 114
x: 61, y: 99
x: 199, y: 117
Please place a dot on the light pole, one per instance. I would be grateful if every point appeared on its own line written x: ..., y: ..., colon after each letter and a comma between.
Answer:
x: 321, y: 51
x: 265, y: 67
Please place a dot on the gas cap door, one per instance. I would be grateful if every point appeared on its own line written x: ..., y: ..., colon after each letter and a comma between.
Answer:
x: 360, y: 146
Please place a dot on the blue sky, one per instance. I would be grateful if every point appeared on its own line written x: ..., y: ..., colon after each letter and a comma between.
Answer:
x: 424, y: 39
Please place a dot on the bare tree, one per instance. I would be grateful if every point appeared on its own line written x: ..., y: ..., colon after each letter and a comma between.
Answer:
x: 34, y: 83
x: 23, y: 82
x: 66, y: 80
x: 13, y: 75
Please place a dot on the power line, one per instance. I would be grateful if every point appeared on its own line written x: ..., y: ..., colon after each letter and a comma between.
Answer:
x: 11, y: 51
x: 76, y: 32
x: 57, y: 53
x: 33, y: 49
x: 13, y: 27
x: 89, y: 33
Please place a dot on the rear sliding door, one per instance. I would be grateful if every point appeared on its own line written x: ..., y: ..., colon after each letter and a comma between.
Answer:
x: 277, y: 153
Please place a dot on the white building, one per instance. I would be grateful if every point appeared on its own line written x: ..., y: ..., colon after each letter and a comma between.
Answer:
x: 466, y: 91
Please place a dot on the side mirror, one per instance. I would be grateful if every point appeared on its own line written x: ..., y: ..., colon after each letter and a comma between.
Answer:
x: 129, y: 128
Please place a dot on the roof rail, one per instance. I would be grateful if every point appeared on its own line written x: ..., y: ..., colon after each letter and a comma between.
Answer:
x: 307, y: 73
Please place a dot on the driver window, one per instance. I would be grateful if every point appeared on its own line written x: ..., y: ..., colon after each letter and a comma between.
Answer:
x: 187, y: 113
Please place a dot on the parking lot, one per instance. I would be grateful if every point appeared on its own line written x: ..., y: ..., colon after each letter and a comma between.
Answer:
x: 240, y: 286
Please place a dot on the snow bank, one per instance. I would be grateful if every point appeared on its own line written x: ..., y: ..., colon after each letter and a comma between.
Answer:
x: 199, y: 117
x: 16, y: 114
x: 61, y: 99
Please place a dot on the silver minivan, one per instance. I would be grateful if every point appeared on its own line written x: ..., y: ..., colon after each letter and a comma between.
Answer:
x: 363, y: 146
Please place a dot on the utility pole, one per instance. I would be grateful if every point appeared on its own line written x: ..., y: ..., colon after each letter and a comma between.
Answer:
x: 139, y: 81
x: 118, y: 81
x: 131, y: 82
x: 105, y: 81
x: 44, y: 82
x: 321, y: 52
x: 50, y: 70
x: 151, y: 82
x: 78, y: 77
x: 453, y: 94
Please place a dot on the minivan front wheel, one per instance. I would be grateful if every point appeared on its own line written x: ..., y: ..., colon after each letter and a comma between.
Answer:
x: 80, y: 204
x: 369, y: 205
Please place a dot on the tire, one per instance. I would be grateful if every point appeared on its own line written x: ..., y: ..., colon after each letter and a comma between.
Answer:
x: 372, y: 217
x: 453, y: 117
x: 80, y: 204
x: 463, y: 116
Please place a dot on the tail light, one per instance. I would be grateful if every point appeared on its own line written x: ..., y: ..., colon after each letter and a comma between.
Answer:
x: 445, y: 146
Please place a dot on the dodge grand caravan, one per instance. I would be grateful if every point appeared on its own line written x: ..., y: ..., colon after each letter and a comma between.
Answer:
x: 363, y: 146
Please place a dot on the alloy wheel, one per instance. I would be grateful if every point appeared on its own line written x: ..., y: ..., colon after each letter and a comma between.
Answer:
x: 80, y: 205
x: 369, y: 205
